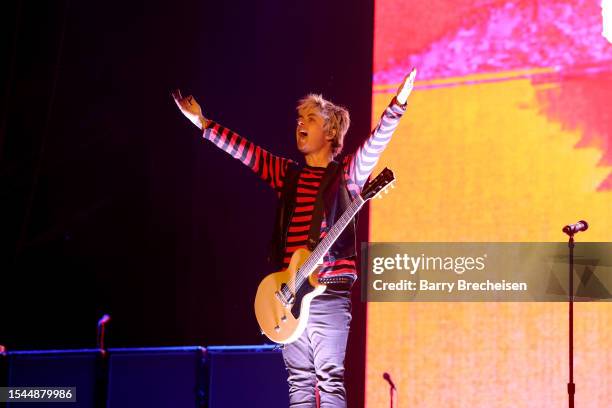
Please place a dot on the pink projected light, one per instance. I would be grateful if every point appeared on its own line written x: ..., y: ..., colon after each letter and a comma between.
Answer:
x: 511, y: 36
x: 549, y: 41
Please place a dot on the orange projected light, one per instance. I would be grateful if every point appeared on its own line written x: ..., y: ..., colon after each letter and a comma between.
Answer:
x: 492, y: 155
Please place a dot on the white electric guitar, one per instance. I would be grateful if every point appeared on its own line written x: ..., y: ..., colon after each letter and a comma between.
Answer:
x: 283, y: 298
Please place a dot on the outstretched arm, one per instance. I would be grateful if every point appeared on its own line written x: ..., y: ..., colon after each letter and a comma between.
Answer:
x: 267, y: 166
x: 364, y: 160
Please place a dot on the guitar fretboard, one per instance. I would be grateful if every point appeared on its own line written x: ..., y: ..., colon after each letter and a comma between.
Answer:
x: 334, y: 232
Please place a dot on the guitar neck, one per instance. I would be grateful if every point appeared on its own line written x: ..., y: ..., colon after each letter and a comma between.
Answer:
x: 334, y: 232
x: 378, y: 184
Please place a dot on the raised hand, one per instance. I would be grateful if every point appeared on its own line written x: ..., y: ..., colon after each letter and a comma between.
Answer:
x: 406, y: 87
x: 190, y: 108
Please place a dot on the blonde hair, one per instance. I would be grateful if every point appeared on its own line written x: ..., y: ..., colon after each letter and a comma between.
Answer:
x: 336, y: 118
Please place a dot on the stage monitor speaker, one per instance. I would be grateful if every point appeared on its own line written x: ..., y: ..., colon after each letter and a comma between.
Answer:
x: 55, y: 368
x: 167, y: 377
x: 246, y: 376
x: 177, y: 377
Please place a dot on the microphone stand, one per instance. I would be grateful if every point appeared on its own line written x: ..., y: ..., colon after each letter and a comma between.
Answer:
x: 392, y: 391
x: 571, y: 230
x: 101, y: 332
x: 393, y: 396
x: 4, y: 372
x: 571, y: 387
x: 102, y: 365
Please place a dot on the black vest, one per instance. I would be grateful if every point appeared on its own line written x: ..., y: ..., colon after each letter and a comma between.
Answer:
x: 336, y: 199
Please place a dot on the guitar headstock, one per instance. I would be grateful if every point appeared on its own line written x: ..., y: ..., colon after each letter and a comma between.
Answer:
x: 380, y: 183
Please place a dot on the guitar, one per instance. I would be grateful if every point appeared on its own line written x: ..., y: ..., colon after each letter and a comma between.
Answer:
x: 283, y: 298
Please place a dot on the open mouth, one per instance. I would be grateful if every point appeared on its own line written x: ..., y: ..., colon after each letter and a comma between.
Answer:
x: 302, y: 136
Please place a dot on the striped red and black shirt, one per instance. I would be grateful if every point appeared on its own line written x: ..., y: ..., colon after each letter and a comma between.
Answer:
x: 357, y: 167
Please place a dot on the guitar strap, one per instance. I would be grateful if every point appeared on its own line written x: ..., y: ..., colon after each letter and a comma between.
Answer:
x: 317, y: 214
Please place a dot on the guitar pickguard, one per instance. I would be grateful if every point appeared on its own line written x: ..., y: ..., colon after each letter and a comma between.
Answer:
x: 305, y: 289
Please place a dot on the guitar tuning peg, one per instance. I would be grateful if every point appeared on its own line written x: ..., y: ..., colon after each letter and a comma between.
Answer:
x: 393, y: 185
x: 380, y: 196
x: 386, y: 191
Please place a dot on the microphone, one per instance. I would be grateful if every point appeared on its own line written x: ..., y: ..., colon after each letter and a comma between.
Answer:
x: 387, y: 378
x: 101, y: 329
x: 105, y: 319
x: 572, y: 229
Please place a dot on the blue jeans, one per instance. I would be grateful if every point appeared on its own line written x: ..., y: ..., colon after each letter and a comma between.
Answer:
x: 317, y: 357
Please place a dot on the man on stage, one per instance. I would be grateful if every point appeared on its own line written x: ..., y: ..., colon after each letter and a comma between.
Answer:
x: 317, y: 357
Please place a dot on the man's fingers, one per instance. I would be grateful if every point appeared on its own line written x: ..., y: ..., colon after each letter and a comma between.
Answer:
x: 185, y: 104
x: 411, y: 75
x: 176, y: 95
x: 182, y: 103
x: 406, y: 87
